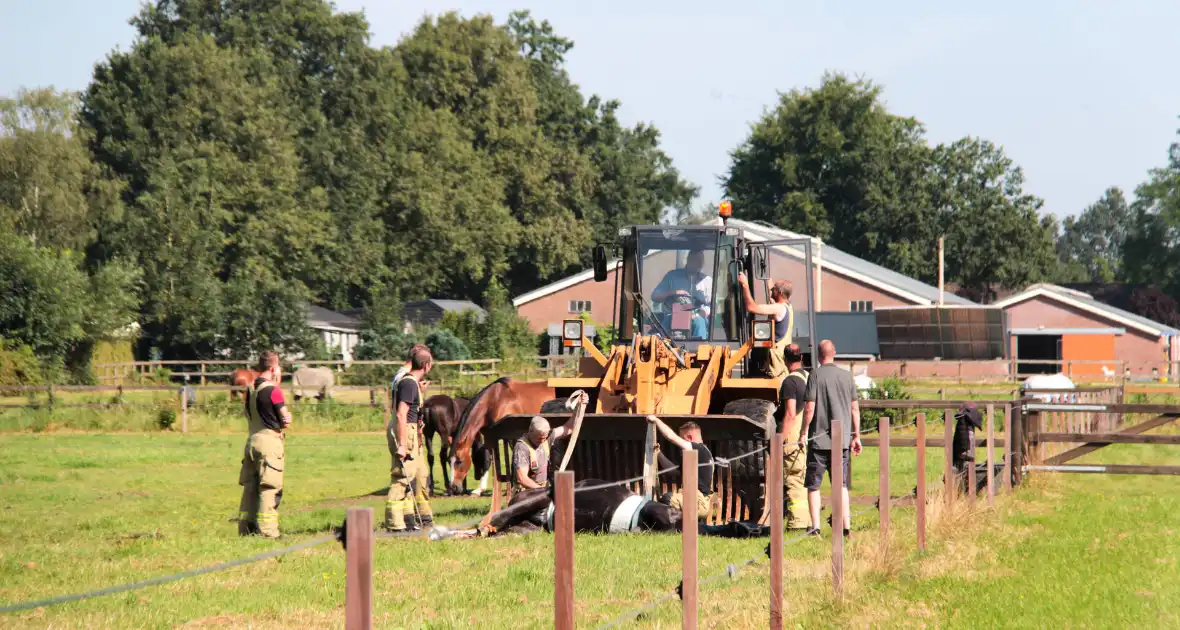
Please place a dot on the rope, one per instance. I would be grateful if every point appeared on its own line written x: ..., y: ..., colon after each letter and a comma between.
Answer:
x: 131, y: 586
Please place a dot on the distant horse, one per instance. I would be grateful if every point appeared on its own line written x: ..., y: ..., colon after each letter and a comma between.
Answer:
x: 312, y: 381
x: 241, y: 378
x: 440, y: 414
x: 504, y: 397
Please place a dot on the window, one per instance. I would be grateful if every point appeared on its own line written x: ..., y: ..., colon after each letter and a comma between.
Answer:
x: 580, y: 306
x: 861, y: 306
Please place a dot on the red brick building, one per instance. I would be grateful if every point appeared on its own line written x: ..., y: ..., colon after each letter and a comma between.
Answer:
x: 1048, y: 322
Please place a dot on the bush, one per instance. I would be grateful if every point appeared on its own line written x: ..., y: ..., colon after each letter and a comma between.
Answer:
x: 18, y: 366
x: 445, y: 346
x: 165, y: 418
x: 888, y: 388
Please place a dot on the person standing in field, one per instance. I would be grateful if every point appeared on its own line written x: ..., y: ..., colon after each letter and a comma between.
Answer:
x: 784, y: 320
x: 831, y: 395
x: 263, y: 462
x: 403, y: 371
x: 792, y: 399
x: 407, y: 506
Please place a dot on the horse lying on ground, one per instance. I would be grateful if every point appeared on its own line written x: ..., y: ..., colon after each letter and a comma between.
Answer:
x: 602, y: 509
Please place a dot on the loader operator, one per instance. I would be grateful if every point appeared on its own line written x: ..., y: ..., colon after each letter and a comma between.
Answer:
x: 406, y: 506
x: 261, y: 477
x: 784, y: 321
x: 687, y: 287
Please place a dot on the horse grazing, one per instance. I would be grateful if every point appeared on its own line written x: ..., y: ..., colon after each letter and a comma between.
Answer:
x: 241, y: 378
x: 503, y: 397
x: 440, y: 415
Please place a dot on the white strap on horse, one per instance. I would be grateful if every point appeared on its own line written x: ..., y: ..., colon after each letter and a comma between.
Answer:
x: 575, y: 403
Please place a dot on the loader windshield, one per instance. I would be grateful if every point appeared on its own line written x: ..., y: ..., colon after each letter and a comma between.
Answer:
x: 677, y: 277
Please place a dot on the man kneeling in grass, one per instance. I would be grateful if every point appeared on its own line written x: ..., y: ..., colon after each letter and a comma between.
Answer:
x: 689, y: 436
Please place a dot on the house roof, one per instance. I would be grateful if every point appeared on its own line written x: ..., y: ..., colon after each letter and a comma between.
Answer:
x: 321, y: 318
x: 451, y: 305
x: 853, y: 267
x: 1086, y: 302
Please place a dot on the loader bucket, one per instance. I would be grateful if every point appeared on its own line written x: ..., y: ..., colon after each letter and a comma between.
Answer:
x: 611, y: 447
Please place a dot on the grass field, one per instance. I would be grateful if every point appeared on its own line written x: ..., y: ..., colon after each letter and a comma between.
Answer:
x: 82, y: 510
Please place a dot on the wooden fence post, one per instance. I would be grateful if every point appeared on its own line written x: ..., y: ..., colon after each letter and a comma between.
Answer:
x: 202, y: 375
x: 838, y: 507
x: 688, y: 540
x: 920, y: 497
x: 1009, y: 445
x: 948, y: 452
x: 883, y: 482
x: 358, y: 593
x: 774, y: 487
x: 563, y: 540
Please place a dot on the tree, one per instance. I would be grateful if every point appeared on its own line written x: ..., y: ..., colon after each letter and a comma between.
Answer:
x: 1151, y: 254
x: 445, y: 346
x: 833, y: 163
x: 995, y: 237
x: 1093, y: 242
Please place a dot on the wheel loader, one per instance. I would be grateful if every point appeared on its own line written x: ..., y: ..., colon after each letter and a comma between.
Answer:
x: 688, y: 353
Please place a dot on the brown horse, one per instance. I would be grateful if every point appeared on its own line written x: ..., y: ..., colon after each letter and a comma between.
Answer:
x: 241, y: 378
x: 440, y: 414
x: 504, y: 397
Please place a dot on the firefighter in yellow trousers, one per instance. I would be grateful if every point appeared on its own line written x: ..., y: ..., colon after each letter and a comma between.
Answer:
x: 791, y: 402
x: 261, y: 477
x: 406, y: 506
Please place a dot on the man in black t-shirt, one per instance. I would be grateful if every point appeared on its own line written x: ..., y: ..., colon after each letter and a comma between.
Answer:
x: 789, y: 420
x: 407, y: 504
x: 689, y: 437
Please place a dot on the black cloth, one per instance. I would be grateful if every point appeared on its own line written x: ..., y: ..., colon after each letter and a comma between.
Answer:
x: 704, y: 465
x: 819, y: 462
x: 270, y: 401
x: 963, y: 443
x: 407, y: 392
x: 792, y: 387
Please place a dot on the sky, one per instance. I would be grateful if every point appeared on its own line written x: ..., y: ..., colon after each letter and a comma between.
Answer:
x: 1080, y: 93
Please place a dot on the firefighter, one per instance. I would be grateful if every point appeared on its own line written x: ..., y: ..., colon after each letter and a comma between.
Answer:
x: 792, y: 397
x: 261, y: 477
x: 406, y: 506
x: 784, y: 321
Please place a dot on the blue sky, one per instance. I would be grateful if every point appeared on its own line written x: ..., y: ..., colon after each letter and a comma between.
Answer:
x: 1080, y: 93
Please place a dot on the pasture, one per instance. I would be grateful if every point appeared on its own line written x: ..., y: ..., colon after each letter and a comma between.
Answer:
x: 83, y: 510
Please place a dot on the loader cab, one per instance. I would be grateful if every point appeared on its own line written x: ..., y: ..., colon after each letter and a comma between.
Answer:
x: 680, y: 281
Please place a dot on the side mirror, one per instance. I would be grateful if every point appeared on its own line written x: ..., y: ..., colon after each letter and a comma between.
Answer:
x: 759, y: 261
x: 599, y: 254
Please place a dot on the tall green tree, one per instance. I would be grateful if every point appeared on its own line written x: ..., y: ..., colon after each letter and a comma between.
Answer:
x: 833, y: 162
x: 995, y: 236
x: 1151, y: 254
x: 50, y: 192
x: 1092, y: 243
x: 206, y: 159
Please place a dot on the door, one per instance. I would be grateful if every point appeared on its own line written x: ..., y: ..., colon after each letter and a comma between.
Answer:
x: 1087, y: 348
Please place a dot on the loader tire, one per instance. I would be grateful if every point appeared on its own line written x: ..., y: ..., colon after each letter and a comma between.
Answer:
x: 762, y: 413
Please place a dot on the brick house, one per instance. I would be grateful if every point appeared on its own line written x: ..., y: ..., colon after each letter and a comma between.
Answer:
x: 1049, y: 322
x: 842, y: 283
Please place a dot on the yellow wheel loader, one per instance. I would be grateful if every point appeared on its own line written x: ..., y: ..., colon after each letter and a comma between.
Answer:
x: 687, y: 349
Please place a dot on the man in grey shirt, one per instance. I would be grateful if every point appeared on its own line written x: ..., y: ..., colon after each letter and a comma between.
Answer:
x: 831, y: 395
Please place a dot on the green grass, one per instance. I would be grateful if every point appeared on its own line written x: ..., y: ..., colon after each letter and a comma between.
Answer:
x: 81, y: 511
